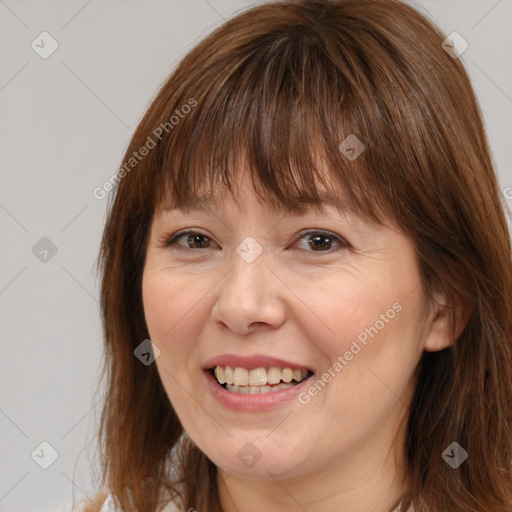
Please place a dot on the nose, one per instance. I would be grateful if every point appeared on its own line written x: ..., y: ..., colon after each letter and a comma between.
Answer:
x: 250, y: 298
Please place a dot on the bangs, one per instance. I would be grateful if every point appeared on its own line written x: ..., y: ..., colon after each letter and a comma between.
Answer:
x: 278, y: 108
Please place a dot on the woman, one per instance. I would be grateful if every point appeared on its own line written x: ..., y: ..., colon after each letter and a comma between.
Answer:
x: 308, y: 228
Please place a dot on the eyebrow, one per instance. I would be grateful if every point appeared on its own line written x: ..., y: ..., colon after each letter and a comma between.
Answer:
x: 204, y: 204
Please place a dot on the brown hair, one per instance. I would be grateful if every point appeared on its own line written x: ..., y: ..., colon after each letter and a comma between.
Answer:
x: 281, y: 86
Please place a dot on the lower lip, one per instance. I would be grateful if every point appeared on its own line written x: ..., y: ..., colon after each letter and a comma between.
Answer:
x: 254, y: 402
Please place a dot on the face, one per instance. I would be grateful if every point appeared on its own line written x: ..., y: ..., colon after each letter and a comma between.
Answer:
x: 328, y: 300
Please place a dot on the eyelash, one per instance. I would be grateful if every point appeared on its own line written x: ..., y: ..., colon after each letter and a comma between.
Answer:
x: 342, y: 243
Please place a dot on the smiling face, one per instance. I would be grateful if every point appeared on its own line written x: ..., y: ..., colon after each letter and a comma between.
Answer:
x: 330, y: 295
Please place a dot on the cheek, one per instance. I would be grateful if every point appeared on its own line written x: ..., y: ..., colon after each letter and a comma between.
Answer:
x: 351, y: 313
x: 366, y: 324
x: 168, y: 306
x: 158, y: 303
x: 370, y: 359
x: 168, y: 298
x: 176, y: 309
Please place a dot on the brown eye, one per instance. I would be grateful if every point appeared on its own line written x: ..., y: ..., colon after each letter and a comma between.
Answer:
x: 193, y: 240
x: 321, y: 242
x: 314, y: 241
x: 197, y: 240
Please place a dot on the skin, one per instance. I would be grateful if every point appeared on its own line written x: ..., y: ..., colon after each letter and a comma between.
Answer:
x: 343, y: 449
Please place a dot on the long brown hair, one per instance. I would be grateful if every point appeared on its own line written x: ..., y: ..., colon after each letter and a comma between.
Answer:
x: 282, y: 85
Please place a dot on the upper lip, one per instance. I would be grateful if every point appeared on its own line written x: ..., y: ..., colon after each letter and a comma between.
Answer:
x: 250, y: 362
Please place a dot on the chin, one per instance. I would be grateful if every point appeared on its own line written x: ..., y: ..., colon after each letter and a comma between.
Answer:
x: 253, y: 460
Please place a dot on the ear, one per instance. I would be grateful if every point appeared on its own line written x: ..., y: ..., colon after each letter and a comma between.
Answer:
x: 450, y: 316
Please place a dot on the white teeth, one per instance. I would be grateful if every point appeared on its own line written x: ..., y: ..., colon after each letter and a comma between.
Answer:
x: 229, y: 375
x: 287, y: 375
x: 219, y: 373
x: 241, y: 377
x: 258, y: 380
x: 274, y: 375
x: 258, y: 377
x: 253, y: 390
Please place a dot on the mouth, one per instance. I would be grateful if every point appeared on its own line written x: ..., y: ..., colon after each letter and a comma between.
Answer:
x: 258, y: 380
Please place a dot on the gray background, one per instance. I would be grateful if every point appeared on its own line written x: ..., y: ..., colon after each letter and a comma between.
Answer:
x: 65, y: 123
